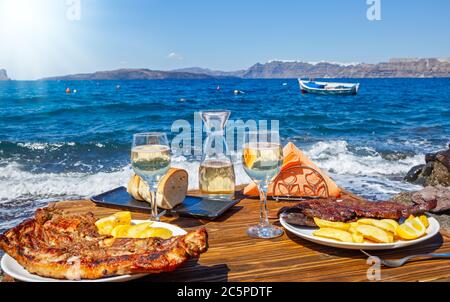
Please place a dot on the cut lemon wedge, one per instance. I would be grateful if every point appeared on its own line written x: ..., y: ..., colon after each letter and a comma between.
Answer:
x: 411, y: 229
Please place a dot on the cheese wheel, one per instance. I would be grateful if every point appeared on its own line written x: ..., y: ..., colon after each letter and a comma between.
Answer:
x: 172, y: 189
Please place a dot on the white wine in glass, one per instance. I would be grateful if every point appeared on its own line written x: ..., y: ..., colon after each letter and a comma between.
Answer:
x: 262, y: 158
x: 150, y: 159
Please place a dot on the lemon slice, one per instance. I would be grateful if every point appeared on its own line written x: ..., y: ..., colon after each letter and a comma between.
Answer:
x: 412, y: 228
x: 249, y: 157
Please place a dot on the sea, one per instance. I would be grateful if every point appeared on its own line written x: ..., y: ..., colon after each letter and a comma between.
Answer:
x: 56, y: 146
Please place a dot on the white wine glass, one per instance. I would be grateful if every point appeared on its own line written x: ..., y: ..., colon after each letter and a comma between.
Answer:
x: 262, y: 158
x: 150, y: 159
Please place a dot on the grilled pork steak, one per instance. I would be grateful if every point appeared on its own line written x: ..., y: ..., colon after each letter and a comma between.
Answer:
x: 350, y: 210
x: 62, y: 246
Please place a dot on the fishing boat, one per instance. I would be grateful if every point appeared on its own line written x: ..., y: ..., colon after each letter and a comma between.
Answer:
x: 332, y: 88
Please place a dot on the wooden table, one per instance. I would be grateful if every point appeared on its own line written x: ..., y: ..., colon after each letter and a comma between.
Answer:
x: 233, y: 256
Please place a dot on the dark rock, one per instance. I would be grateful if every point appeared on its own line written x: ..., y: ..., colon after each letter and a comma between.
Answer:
x: 414, y: 173
x: 444, y: 158
x: 428, y: 169
x: 435, y: 172
x: 439, y: 175
x: 429, y: 157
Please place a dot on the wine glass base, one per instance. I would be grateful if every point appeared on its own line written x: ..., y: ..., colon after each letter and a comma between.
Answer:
x: 264, y: 232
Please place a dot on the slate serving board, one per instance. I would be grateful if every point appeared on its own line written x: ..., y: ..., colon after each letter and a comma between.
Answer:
x: 191, y: 207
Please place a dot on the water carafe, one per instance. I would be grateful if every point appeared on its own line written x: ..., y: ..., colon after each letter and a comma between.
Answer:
x: 216, y: 173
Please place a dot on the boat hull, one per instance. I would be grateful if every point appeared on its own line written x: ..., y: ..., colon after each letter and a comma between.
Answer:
x: 331, y: 88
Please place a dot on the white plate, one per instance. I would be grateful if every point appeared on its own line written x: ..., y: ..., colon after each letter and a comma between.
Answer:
x: 18, y: 272
x: 306, y: 233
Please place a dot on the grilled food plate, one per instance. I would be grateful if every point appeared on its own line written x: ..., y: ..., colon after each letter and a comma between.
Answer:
x: 12, y: 268
x: 307, y: 234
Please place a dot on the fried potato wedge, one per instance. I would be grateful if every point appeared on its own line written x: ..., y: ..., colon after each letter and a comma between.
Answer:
x: 357, y: 237
x: 331, y: 224
x: 375, y: 234
x: 379, y: 224
x: 335, y: 234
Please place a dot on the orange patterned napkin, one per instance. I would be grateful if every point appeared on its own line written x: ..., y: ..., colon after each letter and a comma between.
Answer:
x: 295, y: 157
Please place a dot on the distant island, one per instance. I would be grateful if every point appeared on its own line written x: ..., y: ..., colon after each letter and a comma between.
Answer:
x: 279, y: 69
x: 3, y: 75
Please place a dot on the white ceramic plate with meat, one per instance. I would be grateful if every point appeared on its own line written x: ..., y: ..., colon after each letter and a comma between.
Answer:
x: 12, y: 268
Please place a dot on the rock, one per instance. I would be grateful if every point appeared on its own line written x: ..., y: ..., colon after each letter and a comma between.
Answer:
x: 414, y: 173
x: 444, y: 158
x: 404, y: 198
x: 442, y: 210
x: 439, y: 176
x: 441, y: 194
x: 435, y: 172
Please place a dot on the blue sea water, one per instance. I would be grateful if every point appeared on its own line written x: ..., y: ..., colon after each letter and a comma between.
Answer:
x: 55, y: 145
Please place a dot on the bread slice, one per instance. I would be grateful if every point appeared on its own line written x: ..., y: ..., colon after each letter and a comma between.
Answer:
x: 172, y: 189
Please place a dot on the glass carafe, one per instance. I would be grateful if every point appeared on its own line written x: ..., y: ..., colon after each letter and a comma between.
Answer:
x: 216, y: 173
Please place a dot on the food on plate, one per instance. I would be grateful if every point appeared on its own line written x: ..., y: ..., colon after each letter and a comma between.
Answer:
x: 106, y: 225
x: 391, y: 222
x: 68, y: 246
x: 375, y: 234
x: 347, y: 210
x: 331, y: 224
x: 172, y: 189
x: 412, y: 228
x: 367, y: 230
x: 357, y: 237
x: 386, y: 226
x: 122, y: 227
x: 335, y: 234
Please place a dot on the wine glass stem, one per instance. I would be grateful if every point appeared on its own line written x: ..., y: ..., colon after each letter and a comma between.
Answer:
x: 263, y: 216
x: 153, y: 186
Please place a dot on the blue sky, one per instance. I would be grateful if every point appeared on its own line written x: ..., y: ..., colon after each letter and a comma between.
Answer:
x: 226, y: 35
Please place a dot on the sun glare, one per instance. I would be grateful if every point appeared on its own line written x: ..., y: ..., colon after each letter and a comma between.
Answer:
x: 23, y: 18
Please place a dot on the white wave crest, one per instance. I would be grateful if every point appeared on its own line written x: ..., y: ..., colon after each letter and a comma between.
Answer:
x: 18, y: 184
x: 336, y: 157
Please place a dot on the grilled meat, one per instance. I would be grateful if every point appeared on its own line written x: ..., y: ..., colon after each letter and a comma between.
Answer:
x: 62, y: 246
x: 350, y: 210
